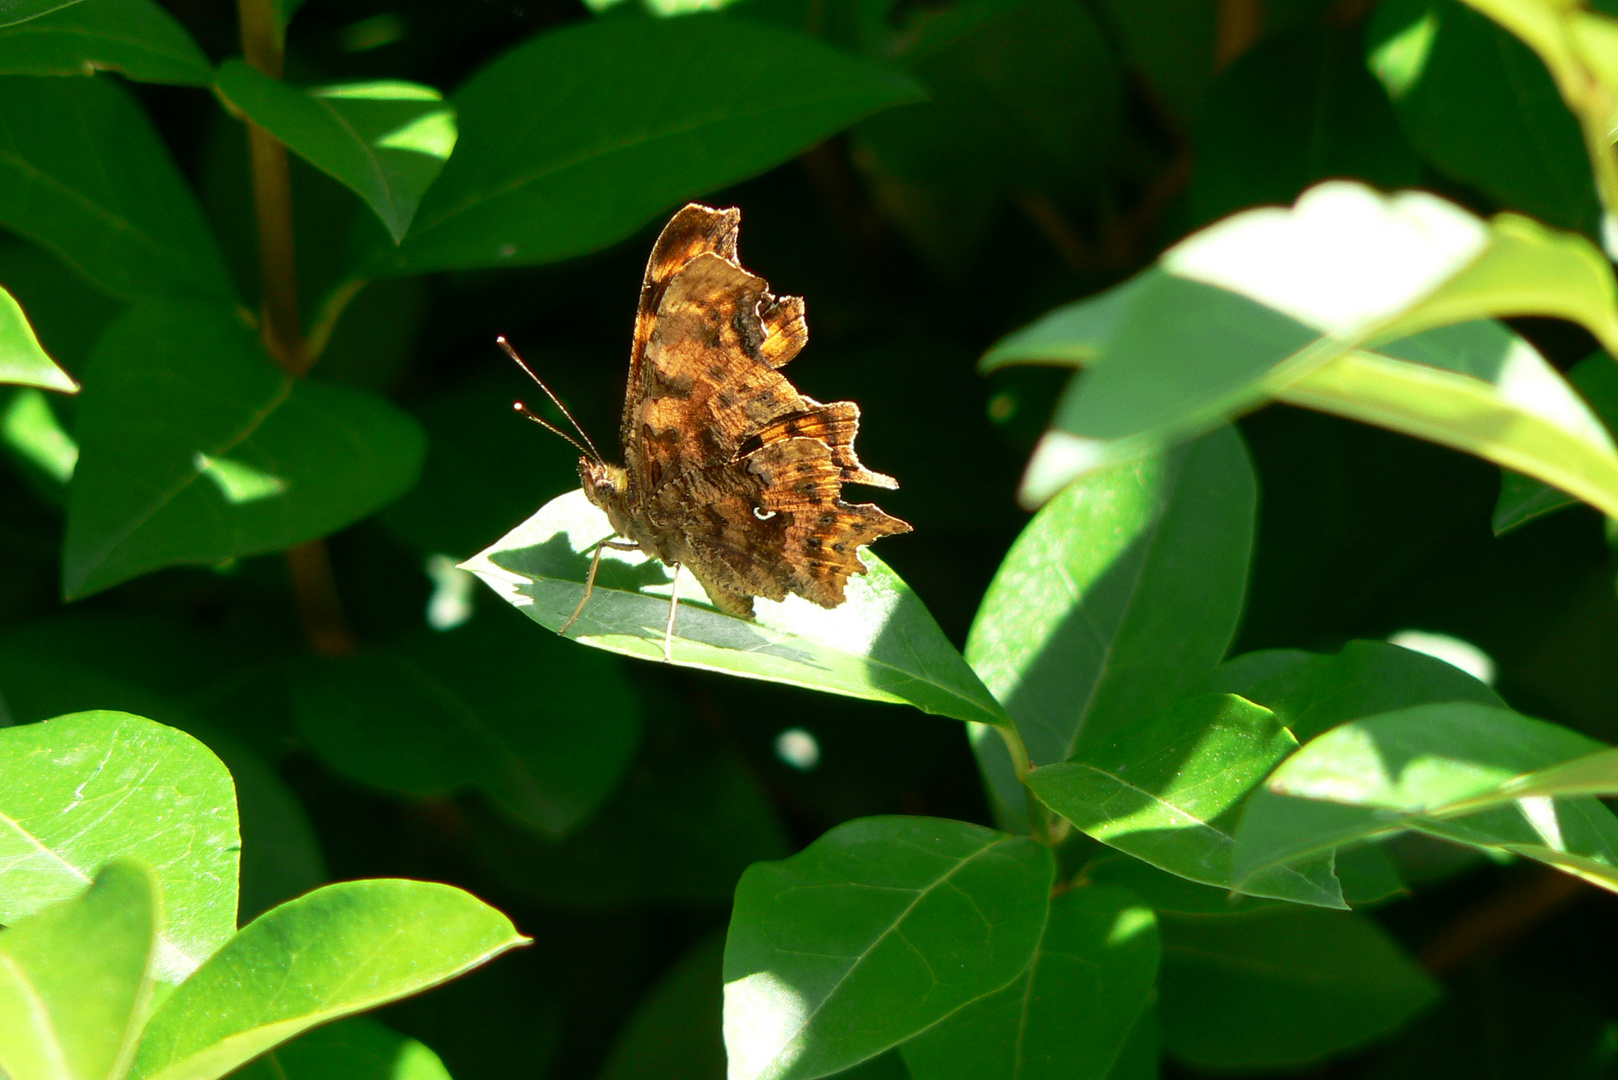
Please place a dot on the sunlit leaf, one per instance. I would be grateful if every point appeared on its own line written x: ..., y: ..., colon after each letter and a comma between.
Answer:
x: 331, y: 953
x: 881, y: 644
x: 385, y: 141
x: 22, y: 361
x: 875, y: 932
x: 75, y: 979
x: 358, y: 1048
x: 83, y: 789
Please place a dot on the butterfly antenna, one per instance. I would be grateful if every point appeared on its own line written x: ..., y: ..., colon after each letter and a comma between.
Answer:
x: 524, y: 410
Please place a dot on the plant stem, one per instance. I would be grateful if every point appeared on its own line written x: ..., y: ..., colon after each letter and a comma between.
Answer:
x: 309, y: 564
x: 272, y: 201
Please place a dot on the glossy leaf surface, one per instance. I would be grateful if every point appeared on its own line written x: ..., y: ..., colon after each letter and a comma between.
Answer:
x: 1068, y: 1016
x: 384, y: 141
x: 1169, y: 792
x: 875, y: 932
x: 83, y: 789
x: 581, y: 136
x: 75, y: 978
x: 880, y: 644
x: 336, y: 951
x: 136, y: 38
x: 193, y: 448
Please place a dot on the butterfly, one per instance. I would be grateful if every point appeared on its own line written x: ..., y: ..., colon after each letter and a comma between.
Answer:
x: 728, y: 470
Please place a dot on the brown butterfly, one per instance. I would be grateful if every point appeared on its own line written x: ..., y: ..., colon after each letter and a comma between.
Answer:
x: 728, y: 470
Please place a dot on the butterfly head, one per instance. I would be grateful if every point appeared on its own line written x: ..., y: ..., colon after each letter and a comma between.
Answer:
x: 607, y: 486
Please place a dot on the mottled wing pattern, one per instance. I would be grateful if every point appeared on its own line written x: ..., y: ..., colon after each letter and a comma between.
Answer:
x: 738, y: 474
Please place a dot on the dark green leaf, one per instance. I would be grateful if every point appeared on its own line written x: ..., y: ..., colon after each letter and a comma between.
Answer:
x: 136, y: 38
x: 1169, y: 791
x: 83, y: 789
x: 675, y: 1032
x: 83, y: 174
x: 1481, y: 108
x: 881, y: 644
x: 581, y: 136
x: 875, y: 932
x: 75, y: 979
x: 1120, y: 593
x: 1297, y: 109
x: 16, y: 11
x: 22, y: 361
x: 1282, y: 987
x: 354, y: 1049
x: 194, y: 449
x: 384, y: 141
x: 337, y: 951
x: 1172, y: 44
x: 1523, y: 498
x: 1069, y: 1015
x: 542, y: 729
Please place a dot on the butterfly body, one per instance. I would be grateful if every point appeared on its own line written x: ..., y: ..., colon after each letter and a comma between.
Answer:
x: 728, y: 470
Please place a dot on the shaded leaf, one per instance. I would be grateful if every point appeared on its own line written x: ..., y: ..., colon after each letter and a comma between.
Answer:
x: 136, y: 38
x: 544, y: 730
x: 86, y: 788
x: 1282, y: 987
x: 75, y: 979
x: 336, y: 951
x: 1523, y: 498
x: 675, y: 1031
x: 1120, y: 593
x: 194, y: 449
x: 881, y: 644
x: 579, y: 137
x: 875, y: 932
x: 1169, y: 792
x: 22, y: 361
x: 83, y: 174
x: 354, y: 1049
x: 16, y: 11
x: 1069, y: 1015
x: 384, y: 141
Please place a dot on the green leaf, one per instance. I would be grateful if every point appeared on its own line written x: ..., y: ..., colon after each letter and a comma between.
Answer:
x: 881, y: 644
x: 1120, y: 593
x: 1282, y: 987
x: 30, y: 430
x: 1172, y: 45
x: 354, y: 1049
x: 1523, y: 498
x: 194, y: 449
x: 872, y: 934
x: 384, y: 141
x: 331, y: 953
x: 93, y: 786
x: 1254, y: 306
x: 1069, y: 1014
x: 16, y: 11
x: 1313, y: 692
x: 1513, y: 140
x: 1168, y: 791
x: 576, y: 139
x: 1296, y: 109
x: 83, y: 174
x: 1479, y: 388
x: 136, y: 38
x: 544, y: 730
x: 1382, y: 773
x: 75, y: 979
x: 674, y: 1033
x: 22, y: 361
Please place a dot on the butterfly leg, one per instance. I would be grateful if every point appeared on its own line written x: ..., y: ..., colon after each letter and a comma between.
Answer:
x: 590, y: 578
x: 674, y: 607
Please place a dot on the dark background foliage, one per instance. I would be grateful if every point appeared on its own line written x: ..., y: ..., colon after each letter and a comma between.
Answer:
x: 1066, y: 143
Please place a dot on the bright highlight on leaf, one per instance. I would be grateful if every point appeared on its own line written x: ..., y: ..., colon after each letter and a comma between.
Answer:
x: 22, y: 361
x: 881, y: 644
x: 238, y: 481
x: 1452, y: 650
x: 31, y: 430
